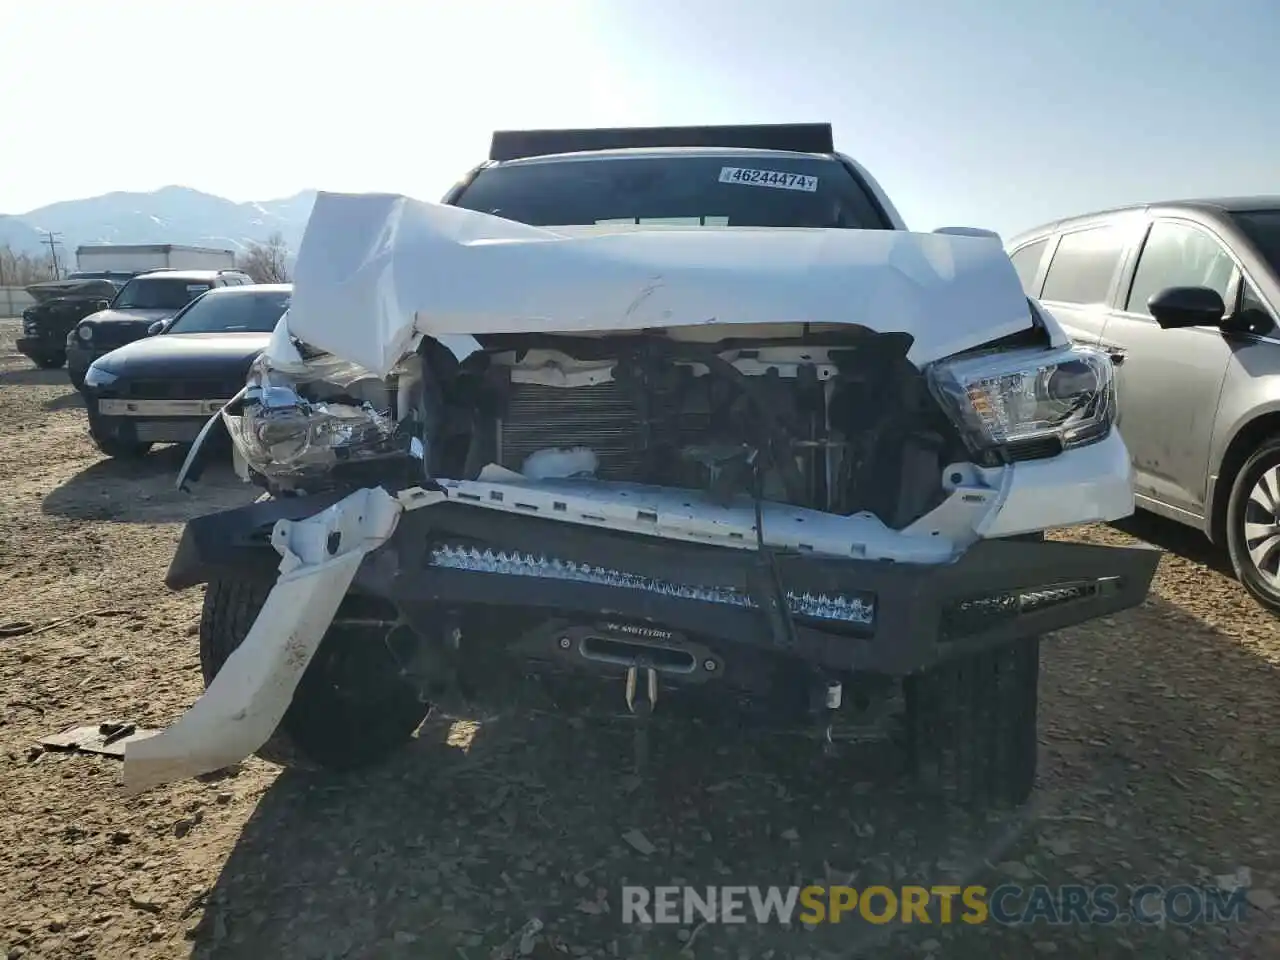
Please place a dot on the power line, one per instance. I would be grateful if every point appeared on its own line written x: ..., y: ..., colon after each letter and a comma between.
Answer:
x: 52, y: 240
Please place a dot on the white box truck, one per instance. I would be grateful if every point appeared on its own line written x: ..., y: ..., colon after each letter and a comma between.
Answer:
x: 139, y: 257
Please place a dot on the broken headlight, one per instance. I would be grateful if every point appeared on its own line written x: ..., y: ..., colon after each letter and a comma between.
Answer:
x: 305, y: 422
x: 1004, y: 399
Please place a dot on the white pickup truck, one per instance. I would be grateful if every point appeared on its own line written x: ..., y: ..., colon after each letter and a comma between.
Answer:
x: 687, y: 410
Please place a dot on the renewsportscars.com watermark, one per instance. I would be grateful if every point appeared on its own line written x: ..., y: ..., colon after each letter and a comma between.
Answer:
x: 1008, y: 904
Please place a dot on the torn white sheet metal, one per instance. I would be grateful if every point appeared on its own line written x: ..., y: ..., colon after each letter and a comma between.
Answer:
x: 376, y: 270
x: 692, y: 516
x: 249, y: 696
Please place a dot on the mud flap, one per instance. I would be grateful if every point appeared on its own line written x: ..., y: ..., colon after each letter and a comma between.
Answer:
x: 249, y: 696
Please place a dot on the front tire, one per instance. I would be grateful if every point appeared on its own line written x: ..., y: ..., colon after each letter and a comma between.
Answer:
x: 971, y: 725
x: 1253, y: 525
x: 352, y: 708
x: 51, y: 361
x: 118, y: 449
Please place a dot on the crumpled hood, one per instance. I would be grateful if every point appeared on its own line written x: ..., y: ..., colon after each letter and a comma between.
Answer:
x: 48, y: 290
x: 376, y: 270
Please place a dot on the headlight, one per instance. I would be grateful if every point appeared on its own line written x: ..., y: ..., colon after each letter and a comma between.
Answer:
x: 95, y: 376
x: 1008, y: 398
x: 85, y: 333
x: 283, y: 434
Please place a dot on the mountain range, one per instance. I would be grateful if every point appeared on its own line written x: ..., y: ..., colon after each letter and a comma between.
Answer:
x: 168, y: 215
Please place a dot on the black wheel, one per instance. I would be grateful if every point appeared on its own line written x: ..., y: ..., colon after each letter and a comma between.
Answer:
x: 1253, y: 525
x: 119, y: 449
x: 971, y: 725
x: 352, y: 707
x: 51, y: 361
x: 77, y: 379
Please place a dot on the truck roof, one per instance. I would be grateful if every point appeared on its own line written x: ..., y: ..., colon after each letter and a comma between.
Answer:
x: 146, y: 248
x: 631, y: 152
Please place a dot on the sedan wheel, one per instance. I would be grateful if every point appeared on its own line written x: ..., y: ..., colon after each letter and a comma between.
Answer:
x: 1253, y: 525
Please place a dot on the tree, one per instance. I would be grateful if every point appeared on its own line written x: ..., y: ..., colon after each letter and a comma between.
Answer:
x: 267, y: 262
x: 20, y: 269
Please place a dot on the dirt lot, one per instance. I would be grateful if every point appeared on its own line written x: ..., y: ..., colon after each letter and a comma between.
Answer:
x: 1157, y: 731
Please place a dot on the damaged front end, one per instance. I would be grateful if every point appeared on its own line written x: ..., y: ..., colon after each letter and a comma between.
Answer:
x: 796, y: 515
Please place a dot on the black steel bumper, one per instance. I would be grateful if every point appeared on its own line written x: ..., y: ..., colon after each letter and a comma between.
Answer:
x: 873, y: 616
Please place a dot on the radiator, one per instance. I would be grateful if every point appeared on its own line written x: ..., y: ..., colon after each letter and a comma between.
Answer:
x: 600, y: 417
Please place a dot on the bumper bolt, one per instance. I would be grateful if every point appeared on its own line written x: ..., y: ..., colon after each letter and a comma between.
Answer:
x: 709, y: 665
x: 565, y: 643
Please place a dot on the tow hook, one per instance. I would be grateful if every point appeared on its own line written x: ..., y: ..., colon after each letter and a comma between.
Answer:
x: 642, y: 711
x: 646, y: 706
x: 832, y: 697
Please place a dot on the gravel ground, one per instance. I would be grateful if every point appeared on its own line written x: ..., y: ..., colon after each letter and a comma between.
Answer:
x: 1159, y: 766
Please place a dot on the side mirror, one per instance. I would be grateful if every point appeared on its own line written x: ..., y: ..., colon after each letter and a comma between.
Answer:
x: 1177, y: 307
x: 157, y: 327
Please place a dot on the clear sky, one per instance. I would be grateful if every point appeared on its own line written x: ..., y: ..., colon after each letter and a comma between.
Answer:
x: 1001, y: 113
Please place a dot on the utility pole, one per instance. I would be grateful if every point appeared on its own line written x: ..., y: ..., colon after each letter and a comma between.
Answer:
x: 52, y: 239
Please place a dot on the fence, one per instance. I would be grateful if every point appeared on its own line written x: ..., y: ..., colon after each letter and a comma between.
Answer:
x: 13, y: 300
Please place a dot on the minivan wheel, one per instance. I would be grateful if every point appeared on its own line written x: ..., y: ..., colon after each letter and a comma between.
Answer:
x: 1253, y: 525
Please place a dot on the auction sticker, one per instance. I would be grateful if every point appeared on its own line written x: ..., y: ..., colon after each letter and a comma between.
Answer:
x: 777, y: 179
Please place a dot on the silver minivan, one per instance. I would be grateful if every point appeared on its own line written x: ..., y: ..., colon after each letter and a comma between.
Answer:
x: 1185, y: 297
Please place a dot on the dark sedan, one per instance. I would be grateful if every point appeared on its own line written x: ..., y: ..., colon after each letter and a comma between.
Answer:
x: 162, y: 389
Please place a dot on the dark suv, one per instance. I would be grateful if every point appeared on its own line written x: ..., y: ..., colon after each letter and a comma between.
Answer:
x: 145, y: 301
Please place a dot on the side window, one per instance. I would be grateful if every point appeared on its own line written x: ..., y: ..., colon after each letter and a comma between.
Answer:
x: 1178, y: 255
x: 1084, y: 265
x: 1253, y: 313
x: 1027, y: 262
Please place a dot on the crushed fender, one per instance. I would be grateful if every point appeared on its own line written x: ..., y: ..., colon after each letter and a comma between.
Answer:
x: 248, y: 698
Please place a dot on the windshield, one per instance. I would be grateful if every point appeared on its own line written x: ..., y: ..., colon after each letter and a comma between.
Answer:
x: 158, y: 293
x: 1263, y: 228
x: 713, y: 191
x: 238, y: 312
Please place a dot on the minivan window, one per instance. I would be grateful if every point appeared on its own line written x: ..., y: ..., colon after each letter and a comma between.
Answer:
x: 1178, y: 255
x: 1026, y: 262
x: 1263, y: 228
x: 713, y: 191
x: 1083, y: 265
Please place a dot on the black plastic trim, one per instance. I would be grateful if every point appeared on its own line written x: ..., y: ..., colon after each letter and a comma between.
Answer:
x: 797, y: 137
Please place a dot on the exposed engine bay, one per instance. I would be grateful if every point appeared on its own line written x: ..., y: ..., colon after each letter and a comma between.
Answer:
x: 843, y: 425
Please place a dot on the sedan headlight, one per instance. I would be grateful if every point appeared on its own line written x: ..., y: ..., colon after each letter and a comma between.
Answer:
x: 95, y: 376
x: 85, y: 333
x: 1005, y: 399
